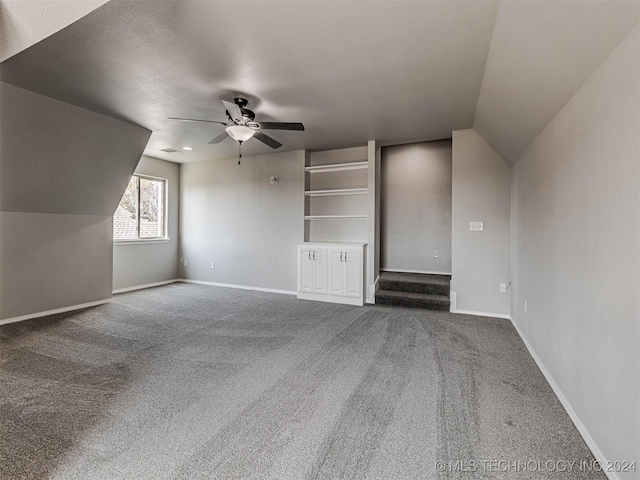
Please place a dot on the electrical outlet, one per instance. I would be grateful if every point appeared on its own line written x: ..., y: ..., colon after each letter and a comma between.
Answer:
x: 503, y: 288
x: 273, y: 180
x: 435, y: 253
x: 213, y: 265
x: 476, y: 226
x: 185, y: 263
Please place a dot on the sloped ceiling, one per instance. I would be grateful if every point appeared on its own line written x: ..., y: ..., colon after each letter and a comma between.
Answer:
x: 351, y: 71
x: 24, y: 23
x: 541, y: 54
x: 58, y: 158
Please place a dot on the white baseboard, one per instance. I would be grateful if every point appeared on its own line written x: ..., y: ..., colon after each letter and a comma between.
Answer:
x: 372, y: 291
x: 323, y: 297
x: 55, y: 311
x: 426, y: 272
x: 148, y: 285
x: 241, y: 287
x: 597, y: 453
x: 483, y: 314
x: 453, y: 301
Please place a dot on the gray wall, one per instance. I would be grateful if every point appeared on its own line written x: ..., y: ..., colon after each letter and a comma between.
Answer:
x: 415, y: 207
x: 481, y: 192
x: 231, y: 215
x: 145, y: 263
x: 51, y: 261
x: 63, y: 171
x: 578, y: 253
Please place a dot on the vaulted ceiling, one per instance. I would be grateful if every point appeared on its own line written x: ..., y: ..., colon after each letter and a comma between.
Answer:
x: 351, y: 71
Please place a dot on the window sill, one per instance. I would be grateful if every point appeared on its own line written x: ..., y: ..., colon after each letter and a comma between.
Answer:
x: 140, y: 242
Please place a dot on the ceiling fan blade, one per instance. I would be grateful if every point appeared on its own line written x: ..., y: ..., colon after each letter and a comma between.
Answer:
x: 234, y: 111
x: 282, y: 126
x: 219, y: 138
x: 267, y: 140
x: 196, y: 120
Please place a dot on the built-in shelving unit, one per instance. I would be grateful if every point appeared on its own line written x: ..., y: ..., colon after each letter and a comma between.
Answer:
x: 336, y: 192
x: 337, y: 167
x: 339, y: 191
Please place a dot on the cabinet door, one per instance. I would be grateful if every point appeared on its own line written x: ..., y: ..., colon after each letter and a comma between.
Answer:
x: 305, y: 269
x: 336, y: 271
x: 353, y: 273
x: 320, y: 270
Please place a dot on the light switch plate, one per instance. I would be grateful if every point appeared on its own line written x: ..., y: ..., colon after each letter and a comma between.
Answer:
x: 476, y: 226
x: 273, y: 180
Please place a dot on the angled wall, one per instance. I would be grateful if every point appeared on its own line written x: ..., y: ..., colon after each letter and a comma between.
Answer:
x: 62, y: 173
x: 577, y: 255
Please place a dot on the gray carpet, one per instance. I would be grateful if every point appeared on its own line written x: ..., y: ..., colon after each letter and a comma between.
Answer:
x: 189, y: 381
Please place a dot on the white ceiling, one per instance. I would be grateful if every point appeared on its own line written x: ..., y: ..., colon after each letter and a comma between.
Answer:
x: 350, y: 71
x: 23, y: 23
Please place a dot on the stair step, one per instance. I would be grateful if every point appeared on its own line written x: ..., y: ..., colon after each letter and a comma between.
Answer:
x: 415, y: 283
x: 412, y: 299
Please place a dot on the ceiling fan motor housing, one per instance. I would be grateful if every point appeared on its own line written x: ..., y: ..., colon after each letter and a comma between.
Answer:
x: 247, y: 114
x: 241, y: 102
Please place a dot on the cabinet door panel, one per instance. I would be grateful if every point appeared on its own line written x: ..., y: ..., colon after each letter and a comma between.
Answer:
x: 320, y: 270
x: 353, y: 274
x: 305, y: 275
x: 336, y: 271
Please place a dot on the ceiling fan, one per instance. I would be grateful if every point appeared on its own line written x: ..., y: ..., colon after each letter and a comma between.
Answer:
x: 240, y: 124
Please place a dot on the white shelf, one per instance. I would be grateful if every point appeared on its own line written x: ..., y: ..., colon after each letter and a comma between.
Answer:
x: 339, y: 191
x: 336, y: 217
x: 337, y: 167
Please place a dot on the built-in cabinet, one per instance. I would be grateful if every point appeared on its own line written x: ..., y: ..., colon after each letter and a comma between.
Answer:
x: 331, y: 272
x: 313, y: 276
x: 336, y: 192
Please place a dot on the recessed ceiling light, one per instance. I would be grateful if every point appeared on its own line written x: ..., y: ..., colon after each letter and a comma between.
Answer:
x: 187, y: 148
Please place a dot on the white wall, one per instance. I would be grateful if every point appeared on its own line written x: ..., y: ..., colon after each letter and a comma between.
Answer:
x: 577, y: 254
x: 144, y: 264
x: 63, y: 172
x: 231, y: 215
x: 372, y: 268
x: 481, y: 191
x: 416, y: 207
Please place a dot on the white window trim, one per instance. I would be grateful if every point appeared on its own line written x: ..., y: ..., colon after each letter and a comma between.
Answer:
x: 142, y: 241
x: 145, y: 241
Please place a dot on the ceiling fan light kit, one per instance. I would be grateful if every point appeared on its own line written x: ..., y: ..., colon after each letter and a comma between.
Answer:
x: 241, y: 127
x: 240, y: 133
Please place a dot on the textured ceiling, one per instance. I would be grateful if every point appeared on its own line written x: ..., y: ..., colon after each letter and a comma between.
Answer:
x: 350, y: 71
x: 23, y: 23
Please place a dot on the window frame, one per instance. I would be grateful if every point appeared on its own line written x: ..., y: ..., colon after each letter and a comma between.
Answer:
x: 165, y: 224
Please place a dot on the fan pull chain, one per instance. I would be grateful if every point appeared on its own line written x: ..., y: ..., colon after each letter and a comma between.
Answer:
x: 239, y: 151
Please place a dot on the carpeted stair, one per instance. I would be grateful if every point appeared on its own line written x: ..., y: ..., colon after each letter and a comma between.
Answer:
x: 414, y: 290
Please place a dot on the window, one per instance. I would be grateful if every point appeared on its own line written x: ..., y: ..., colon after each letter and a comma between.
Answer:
x: 141, y: 212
